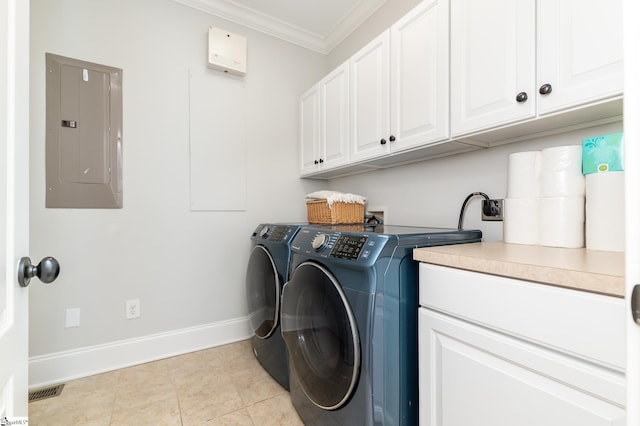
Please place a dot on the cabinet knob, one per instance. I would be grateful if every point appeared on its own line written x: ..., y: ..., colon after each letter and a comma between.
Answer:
x: 383, y: 141
x: 315, y: 161
x: 321, y: 161
x: 392, y: 138
x: 522, y: 97
x: 545, y: 89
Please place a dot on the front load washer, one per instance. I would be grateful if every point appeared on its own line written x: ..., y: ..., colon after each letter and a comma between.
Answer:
x: 267, y: 271
x: 349, y: 321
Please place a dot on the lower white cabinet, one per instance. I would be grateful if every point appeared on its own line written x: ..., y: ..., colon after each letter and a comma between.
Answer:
x: 488, y: 357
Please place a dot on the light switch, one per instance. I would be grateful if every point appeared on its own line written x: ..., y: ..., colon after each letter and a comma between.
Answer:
x: 73, y: 318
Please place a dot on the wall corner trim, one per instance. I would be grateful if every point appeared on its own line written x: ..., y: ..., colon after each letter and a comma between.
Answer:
x: 45, y: 370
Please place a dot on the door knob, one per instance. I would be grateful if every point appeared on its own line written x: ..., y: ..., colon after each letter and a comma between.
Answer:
x: 47, y: 270
x: 635, y: 304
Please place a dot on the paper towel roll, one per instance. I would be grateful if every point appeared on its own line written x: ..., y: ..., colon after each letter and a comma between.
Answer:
x: 562, y: 183
x: 561, y: 221
x: 523, y: 174
x: 561, y: 174
x: 520, y: 221
x: 558, y: 158
x: 605, y: 228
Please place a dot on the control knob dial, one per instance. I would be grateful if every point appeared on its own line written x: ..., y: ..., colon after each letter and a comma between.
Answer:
x: 319, y: 241
x: 264, y: 231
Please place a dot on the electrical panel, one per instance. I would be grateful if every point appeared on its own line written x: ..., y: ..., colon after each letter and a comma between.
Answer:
x: 227, y: 52
x: 84, y: 134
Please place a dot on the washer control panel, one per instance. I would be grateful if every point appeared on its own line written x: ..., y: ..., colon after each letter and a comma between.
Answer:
x: 350, y: 246
x: 320, y: 241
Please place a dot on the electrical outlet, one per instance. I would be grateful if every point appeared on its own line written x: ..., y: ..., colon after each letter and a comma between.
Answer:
x: 492, y: 209
x: 132, y: 309
x: 379, y: 212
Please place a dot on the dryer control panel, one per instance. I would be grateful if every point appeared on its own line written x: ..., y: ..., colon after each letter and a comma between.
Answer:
x: 274, y: 232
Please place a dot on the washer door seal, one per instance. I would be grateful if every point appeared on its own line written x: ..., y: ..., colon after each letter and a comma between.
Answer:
x: 321, y: 335
x: 263, y: 292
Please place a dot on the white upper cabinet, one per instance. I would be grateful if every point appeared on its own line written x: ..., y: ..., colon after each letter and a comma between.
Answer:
x: 325, y: 123
x: 492, y: 61
x: 370, y: 99
x: 399, y: 84
x: 504, y: 69
x: 419, y: 70
x: 456, y: 75
x: 334, y: 117
x: 309, y: 130
x: 579, y: 52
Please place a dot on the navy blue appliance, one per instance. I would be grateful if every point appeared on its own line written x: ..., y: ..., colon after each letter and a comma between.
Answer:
x: 349, y: 320
x: 267, y: 271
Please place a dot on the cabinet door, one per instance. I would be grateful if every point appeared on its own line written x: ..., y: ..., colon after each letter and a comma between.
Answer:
x: 472, y: 376
x: 579, y: 51
x: 370, y: 99
x: 420, y: 75
x: 309, y: 130
x: 334, y: 117
x: 492, y: 62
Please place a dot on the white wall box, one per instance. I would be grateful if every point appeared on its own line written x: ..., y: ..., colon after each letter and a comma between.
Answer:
x: 227, y: 52
x: 499, y: 351
x: 84, y: 134
x: 513, y: 61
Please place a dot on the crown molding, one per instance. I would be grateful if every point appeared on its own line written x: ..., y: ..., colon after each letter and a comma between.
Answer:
x: 259, y: 21
x: 356, y: 17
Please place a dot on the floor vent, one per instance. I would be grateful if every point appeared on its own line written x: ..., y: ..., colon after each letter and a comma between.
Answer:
x: 44, y: 393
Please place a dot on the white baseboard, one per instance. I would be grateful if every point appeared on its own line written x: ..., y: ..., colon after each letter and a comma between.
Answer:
x: 45, y: 370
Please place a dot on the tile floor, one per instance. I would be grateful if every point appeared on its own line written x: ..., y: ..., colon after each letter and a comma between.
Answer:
x: 220, y: 386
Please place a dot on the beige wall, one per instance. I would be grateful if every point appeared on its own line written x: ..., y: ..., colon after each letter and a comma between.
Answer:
x: 187, y: 268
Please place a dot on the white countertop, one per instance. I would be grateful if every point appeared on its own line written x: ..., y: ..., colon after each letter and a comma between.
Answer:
x: 580, y: 269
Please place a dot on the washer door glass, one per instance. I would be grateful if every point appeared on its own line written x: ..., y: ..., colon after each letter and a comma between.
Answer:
x: 263, y: 292
x: 321, y: 335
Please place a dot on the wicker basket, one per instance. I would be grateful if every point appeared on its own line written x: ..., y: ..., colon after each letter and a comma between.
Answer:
x: 318, y: 211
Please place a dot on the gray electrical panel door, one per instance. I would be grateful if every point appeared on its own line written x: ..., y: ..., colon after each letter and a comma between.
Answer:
x: 84, y: 134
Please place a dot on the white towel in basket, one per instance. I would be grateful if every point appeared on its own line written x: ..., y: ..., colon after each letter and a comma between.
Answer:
x: 336, y: 197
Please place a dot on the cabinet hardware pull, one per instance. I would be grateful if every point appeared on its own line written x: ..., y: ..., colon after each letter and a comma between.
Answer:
x: 545, y: 89
x: 392, y: 138
x: 522, y: 97
x: 321, y: 161
x: 383, y: 141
